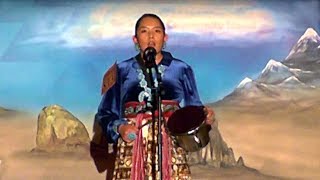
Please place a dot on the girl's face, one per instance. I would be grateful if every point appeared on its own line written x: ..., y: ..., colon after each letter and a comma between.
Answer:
x: 150, y: 34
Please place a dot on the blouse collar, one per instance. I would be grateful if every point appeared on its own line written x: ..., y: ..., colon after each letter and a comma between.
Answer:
x: 166, y: 60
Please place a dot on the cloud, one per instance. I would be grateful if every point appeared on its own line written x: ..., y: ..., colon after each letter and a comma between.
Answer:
x: 223, y: 26
x: 204, y: 22
x: 226, y: 21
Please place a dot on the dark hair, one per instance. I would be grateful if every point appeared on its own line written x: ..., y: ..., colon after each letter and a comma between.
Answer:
x: 148, y: 15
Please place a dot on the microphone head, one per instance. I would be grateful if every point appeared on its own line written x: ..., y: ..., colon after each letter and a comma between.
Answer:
x: 149, y: 55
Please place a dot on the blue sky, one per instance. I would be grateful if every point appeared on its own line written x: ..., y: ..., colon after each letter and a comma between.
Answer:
x: 57, y: 51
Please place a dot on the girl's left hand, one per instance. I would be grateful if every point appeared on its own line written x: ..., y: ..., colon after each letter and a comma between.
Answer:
x: 210, y: 117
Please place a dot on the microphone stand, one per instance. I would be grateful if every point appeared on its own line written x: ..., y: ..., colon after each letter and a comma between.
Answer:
x: 156, y: 89
x: 159, y: 100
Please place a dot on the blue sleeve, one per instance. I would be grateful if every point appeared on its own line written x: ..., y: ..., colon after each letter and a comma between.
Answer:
x: 191, y: 95
x: 109, y: 112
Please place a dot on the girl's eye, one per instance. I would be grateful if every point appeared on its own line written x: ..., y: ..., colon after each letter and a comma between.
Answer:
x: 158, y: 31
x: 143, y: 31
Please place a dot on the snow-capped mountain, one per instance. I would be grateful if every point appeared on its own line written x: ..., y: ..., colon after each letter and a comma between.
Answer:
x: 310, y: 34
x: 307, y: 46
x: 249, y: 88
x: 301, y: 66
x: 246, y: 81
x: 300, y: 71
x: 274, y: 72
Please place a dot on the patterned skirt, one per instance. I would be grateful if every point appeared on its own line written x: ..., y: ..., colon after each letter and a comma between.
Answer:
x: 136, y: 160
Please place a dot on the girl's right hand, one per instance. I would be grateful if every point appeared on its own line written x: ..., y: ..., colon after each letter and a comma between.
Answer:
x: 128, y: 132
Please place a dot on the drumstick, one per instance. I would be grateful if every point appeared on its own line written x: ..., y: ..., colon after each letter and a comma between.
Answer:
x: 133, y: 136
x: 141, y: 126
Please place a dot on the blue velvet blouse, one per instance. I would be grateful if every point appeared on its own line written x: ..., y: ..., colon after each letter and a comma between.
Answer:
x: 178, y: 84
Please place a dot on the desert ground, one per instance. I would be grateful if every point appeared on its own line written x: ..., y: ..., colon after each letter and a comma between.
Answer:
x: 281, y: 142
x: 275, y: 146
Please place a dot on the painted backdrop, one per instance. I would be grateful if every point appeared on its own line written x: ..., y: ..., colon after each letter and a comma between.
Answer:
x: 56, y: 52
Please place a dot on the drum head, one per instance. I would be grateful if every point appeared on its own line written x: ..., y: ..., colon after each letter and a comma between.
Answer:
x: 186, y: 119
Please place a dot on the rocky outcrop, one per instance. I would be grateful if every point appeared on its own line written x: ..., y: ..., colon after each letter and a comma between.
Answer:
x: 9, y: 112
x: 216, y: 153
x: 60, y: 131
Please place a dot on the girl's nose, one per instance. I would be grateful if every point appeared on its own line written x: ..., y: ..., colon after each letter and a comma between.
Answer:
x: 151, y: 34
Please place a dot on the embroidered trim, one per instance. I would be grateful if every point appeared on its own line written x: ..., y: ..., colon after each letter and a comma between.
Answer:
x: 146, y: 93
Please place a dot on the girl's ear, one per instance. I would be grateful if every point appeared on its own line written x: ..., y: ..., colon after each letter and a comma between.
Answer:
x: 134, y: 39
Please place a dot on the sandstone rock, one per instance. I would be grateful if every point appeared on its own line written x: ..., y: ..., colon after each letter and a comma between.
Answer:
x: 228, y: 159
x: 216, y: 153
x: 60, y: 131
x: 240, y: 162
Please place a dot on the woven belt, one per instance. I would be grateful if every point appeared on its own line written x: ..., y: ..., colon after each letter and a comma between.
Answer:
x: 133, y: 108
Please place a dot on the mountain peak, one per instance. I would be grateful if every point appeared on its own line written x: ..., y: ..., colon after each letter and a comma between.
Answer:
x: 306, y: 46
x: 274, y: 72
x: 309, y: 33
x: 272, y: 64
x: 244, y: 82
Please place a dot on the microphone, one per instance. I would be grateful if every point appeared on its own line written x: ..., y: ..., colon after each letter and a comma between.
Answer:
x: 149, y: 55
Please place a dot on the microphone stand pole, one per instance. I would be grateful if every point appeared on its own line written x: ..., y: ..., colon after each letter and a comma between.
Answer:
x: 156, y: 89
x: 159, y: 100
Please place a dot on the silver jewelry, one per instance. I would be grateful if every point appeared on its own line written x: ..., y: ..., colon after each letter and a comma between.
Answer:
x: 164, y: 45
x: 137, y: 47
x: 146, y: 93
x: 161, y: 69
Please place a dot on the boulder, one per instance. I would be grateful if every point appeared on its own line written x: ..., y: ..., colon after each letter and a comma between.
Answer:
x: 60, y: 131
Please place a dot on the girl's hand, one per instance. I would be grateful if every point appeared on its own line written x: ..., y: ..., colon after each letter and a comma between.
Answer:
x: 128, y: 132
x: 210, y: 117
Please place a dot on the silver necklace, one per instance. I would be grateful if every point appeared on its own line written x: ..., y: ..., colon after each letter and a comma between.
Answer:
x: 145, y: 94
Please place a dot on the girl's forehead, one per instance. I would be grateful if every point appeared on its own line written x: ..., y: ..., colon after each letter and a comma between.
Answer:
x: 150, y: 27
x: 150, y: 21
